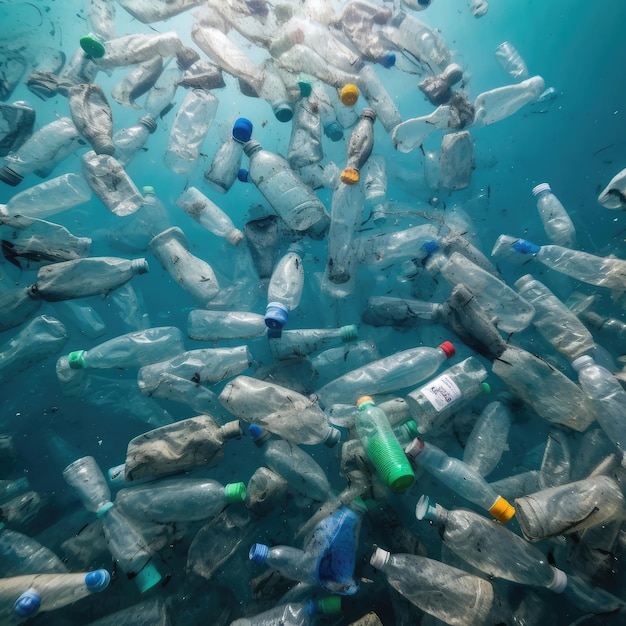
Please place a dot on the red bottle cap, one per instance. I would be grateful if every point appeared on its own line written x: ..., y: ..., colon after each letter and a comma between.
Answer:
x: 448, y: 349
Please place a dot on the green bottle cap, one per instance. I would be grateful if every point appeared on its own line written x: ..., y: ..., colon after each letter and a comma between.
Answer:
x: 235, y: 492
x: 76, y: 359
x: 411, y: 428
x: 486, y: 387
x: 92, y: 46
x: 147, y: 578
x: 349, y: 332
x: 305, y: 88
x: 391, y: 463
x: 330, y: 605
x: 147, y: 189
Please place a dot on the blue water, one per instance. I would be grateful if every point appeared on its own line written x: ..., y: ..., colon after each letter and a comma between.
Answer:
x: 576, y: 142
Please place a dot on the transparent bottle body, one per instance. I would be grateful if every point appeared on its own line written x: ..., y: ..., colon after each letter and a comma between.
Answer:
x: 292, y: 563
x: 305, y: 142
x: 287, y: 281
x: 292, y: 613
x: 88, y: 481
x: 387, y: 246
x: 556, y: 221
x: 206, y: 212
x: 137, y: 48
x: 215, y: 325
x: 22, y: 554
x: 305, y: 341
x: 128, y: 142
x: 225, y: 165
x: 92, y: 116
x: 378, y: 98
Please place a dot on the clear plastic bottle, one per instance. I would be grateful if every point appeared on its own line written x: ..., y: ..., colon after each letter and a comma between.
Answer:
x: 449, y: 594
x: 309, y: 340
x: 191, y: 125
x: 129, y: 141
x: 178, y: 500
x: 359, y: 22
x: 38, y: 150
x: 388, y: 246
x: 378, y: 98
x: 611, y: 329
x: 111, y: 184
x: 305, y: 141
x: 16, y: 306
x: 608, y: 399
x: 382, y: 447
x: 293, y: 613
x: 569, y: 508
x: 137, y: 82
x: 85, y: 277
x: 375, y: 188
x: 359, y: 147
x: 194, y: 275
x: 285, y: 288
x: 279, y: 410
x: 492, y: 548
x: 293, y: 201
x: 148, y: 12
x: 137, y: 48
x: 206, y: 325
x: 18, y: 120
x: 402, y: 369
x: 550, y: 393
x: 556, y: 221
x: 92, y: 116
x: 460, y: 477
x: 510, y: 60
x: 292, y: 563
x: 22, y: 597
x: 208, y: 214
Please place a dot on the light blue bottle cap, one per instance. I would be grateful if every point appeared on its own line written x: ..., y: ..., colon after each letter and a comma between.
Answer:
x: 388, y: 59
x: 254, y: 430
x: 305, y: 88
x: 526, y: 247
x: 97, y: 580
x: 258, y: 553
x: 242, y: 129
x: 349, y: 333
x: 147, y: 578
x: 283, y: 111
x: 424, y: 509
x: 27, y: 604
x: 276, y: 315
x: 334, y: 131
x: 430, y: 246
x: 242, y: 175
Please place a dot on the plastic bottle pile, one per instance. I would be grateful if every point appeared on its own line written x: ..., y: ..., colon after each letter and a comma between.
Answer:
x: 285, y: 382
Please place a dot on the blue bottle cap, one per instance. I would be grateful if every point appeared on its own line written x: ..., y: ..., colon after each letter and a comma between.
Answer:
x: 242, y: 129
x: 388, y: 59
x: 305, y: 88
x: 334, y: 131
x: 430, y: 246
x: 255, y: 430
x: 526, y: 247
x: 242, y: 175
x: 97, y: 580
x: 27, y: 604
x: 258, y: 553
x: 276, y: 315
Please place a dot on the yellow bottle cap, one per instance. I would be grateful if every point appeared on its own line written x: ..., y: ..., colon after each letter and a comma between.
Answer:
x: 363, y: 400
x: 349, y: 94
x: 502, y: 510
x: 350, y: 176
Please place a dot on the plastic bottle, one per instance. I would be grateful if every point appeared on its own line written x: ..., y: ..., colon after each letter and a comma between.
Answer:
x: 460, y: 477
x: 293, y: 613
x: 492, y: 548
x: 402, y: 369
x: 510, y: 60
x: 38, y: 150
x: 148, y: 13
x: 129, y: 141
x: 551, y: 394
x: 209, y: 215
x: 137, y: 82
x: 556, y: 222
x: 555, y: 322
x: 16, y: 306
x: 378, y: 98
x: 305, y: 141
x: 193, y: 120
x: 206, y: 325
x: 279, y: 410
x: 611, y: 329
x: 358, y: 22
x: 414, y: 242
x: 438, y: 88
x: 359, y: 147
x: 306, y: 341
x: 293, y: 201
x: 613, y: 196
x: 447, y: 593
x: 380, y: 443
x: 85, y: 277
x: 511, y: 313
x: 22, y: 597
x: 502, y: 102
x: 291, y: 563
x: 178, y: 500
x: 138, y: 48
x: 110, y: 182
x: 285, y: 288
x: 569, y: 508
x: 478, y: 8
x: 194, y: 275
x: 18, y: 122
x: 227, y: 160
x: 92, y: 116
x: 101, y: 18
x: 601, y: 271
x: 607, y: 399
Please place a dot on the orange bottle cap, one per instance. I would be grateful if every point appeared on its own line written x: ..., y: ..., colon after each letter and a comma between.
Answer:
x: 502, y: 510
x: 349, y: 94
x: 350, y: 176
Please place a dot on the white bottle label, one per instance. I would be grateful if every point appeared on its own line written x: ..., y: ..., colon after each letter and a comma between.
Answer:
x: 441, y: 392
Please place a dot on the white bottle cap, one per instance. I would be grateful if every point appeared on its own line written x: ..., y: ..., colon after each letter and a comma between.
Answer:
x: 581, y: 361
x: 559, y: 582
x: 540, y: 188
x: 379, y: 558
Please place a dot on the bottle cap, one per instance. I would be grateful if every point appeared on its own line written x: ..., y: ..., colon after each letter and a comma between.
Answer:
x: 414, y: 449
x: 235, y: 492
x: 430, y: 246
x: 379, y: 558
x: 363, y: 400
x: 349, y: 94
x: 149, y: 122
x: 76, y: 359
x: 9, y: 176
x: 425, y: 509
x: 388, y: 59
x: 581, y: 361
x: 411, y: 429
x: 250, y: 147
x: 97, y: 580
x: 330, y: 605
x: 334, y: 437
x: 486, y: 388
x: 27, y: 604
x: 540, y: 188
x: 242, y: 129
x: 102, y: 144
x: 147, y: 189
x: 231, y: 430
x: 334, y: 131
x: 107, y: 506
x: 350, y: 176
x: 391, y: 463
x: 276, y: 315
x: 147, y: 578
x: 501, y: 510
x: 92, y: 46
x: 254, y: 430
x: 242, y: 175
x: 526, y: 247
x: 559, y: 582
x: 258, y: 553
x: 234, y: 236
x: 305, y: 88
x: 117, y: 474
x: 282, y: 111
x: 349, y: 333
x: 139, y: 266
x: 453, y: 74
x: 448, y: 348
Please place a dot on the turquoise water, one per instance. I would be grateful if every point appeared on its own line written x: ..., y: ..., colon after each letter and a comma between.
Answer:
x: 575, y: 142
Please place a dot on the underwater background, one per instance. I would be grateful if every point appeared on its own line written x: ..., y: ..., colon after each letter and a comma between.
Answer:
x: 575, y: 141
